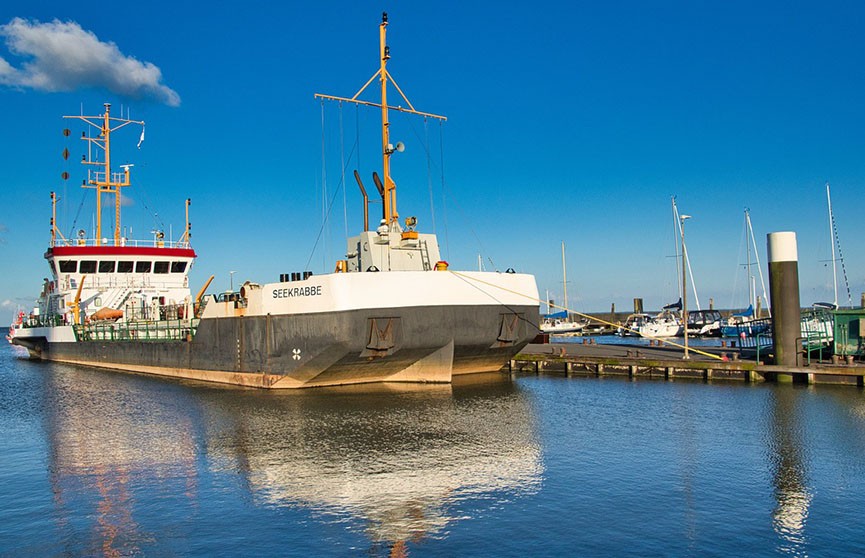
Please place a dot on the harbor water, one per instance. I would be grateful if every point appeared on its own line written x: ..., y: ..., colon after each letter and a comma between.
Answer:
x: 96, y: 463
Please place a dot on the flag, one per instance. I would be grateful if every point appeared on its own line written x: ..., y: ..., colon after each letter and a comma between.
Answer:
x: 141, y: 139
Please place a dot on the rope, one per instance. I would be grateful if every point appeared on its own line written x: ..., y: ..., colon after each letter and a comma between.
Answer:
x: 325, y: 210
x: 586, y: 316
x: 78, y: 213
x: 429, y: 173
x: 327, y: 214
x: 841, y: 258
x: 342, y: 178
x: 442, y: 168
x: 467, y: 280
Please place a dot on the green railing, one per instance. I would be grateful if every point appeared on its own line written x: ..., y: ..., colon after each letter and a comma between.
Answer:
x: 163, y: 330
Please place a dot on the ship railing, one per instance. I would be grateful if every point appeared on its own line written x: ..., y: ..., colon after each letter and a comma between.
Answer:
x: 43, y: 320
x: 754, y: 334
x: 818, y: 331
x: 149, y: 330
x: 124, y: 280
x: 147, y: 243
x: 157, y: 313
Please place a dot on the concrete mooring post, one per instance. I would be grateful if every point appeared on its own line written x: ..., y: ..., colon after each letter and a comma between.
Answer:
x: 784, y: 292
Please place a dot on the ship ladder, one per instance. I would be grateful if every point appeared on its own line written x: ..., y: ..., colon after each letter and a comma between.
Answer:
x: 424, y: 256
x: 119, y: 300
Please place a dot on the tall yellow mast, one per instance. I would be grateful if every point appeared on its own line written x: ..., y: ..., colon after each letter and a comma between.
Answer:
x: 105, y: 181
x: 390, y: 213
x: 389, y: 194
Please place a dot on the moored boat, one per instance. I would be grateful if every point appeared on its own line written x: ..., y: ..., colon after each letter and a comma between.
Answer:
x: 664, y: 324
x: 749, y: 323
x: 633, y: 323
x: 561, y: 323
x: 392, y: 311
x: 745, y: 324
x: 705, y: 323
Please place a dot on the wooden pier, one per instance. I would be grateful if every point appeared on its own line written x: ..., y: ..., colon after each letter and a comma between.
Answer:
x: 662, y: 362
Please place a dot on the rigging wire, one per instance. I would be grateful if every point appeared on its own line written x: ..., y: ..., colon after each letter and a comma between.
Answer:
x: 444, y: 199
x: 841, y: 258
x: 469, y: 279
x: 342, y: 176
x: 78, y: 213
x: 145, y: 200
x: 84, y: 195
x: 327, y: 214
x: 743, y: 239
x: 676, y: 238
x: 357, y: 133
x: 429, y: 173
x: 324, y: 208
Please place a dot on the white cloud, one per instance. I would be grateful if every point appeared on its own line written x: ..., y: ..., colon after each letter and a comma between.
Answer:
x: 63, y: 57
x: 7, y: 304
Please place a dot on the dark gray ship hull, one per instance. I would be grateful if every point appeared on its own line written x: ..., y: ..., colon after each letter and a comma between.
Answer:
x: 425, y: 344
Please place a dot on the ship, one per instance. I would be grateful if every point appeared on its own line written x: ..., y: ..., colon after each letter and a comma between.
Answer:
x: 391, y: 311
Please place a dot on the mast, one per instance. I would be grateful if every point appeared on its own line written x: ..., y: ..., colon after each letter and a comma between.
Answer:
x: 391, y: 215
x: 833, y: 228
x: 832, y: 238
x: 677, y: 233
x: 565, y: 278
x: 750, y: 230
x: 751, y: 285
x: 55, y: 232
x: 686, y: 263
x: 105, y: 181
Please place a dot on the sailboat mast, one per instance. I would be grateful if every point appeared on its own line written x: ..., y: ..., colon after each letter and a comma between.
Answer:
x: 748, y: 235
x: 749, y: 230
x: 832, y: 238
x: 565, y: 277
x: 677, y: 234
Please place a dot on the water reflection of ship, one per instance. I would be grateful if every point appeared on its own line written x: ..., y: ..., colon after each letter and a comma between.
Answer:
x: 103, y: 441
x: 396, y: 461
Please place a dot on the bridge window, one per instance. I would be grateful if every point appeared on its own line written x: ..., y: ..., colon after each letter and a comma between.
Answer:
x: 160, y: 267
x: 107, y: 267
x: 178, y: 267
x: 87, y: 266
x: 142, y: 267
x: 124, y: 267
x: 68, y: 266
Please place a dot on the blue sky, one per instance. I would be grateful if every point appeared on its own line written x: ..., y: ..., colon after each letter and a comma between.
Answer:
x: 570, y: 121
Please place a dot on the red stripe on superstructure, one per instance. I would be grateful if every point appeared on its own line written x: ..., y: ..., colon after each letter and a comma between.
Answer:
x: 119, y: 251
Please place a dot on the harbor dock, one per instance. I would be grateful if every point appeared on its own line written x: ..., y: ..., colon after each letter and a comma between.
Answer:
x: 665, y: 362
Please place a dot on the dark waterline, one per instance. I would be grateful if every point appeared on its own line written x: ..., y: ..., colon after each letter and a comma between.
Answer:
x: 98, y: 463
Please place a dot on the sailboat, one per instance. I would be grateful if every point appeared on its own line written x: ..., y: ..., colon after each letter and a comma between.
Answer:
x: 745, y: 323
x: 668, y: 322
x: 833, y: 236
x: 560, y: 322
x: 818, y: 322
